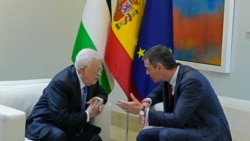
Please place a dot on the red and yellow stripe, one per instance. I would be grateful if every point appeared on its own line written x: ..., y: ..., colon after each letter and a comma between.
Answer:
x: 122, y: 41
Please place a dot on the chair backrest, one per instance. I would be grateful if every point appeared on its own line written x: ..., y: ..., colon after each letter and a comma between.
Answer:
x: 22, y: 94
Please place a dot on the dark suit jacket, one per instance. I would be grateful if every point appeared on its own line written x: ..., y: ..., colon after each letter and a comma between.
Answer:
x: 196, y: 106
x: 60, y: 105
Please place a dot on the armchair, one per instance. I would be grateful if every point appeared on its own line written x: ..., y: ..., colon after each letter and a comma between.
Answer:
x: 17, y: 99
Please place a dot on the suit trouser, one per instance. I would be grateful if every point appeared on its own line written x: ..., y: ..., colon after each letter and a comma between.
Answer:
x: 90, y: 133
x: 170, y: 134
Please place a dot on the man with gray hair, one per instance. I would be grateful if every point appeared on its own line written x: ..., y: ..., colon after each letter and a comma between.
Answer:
x: 70, y: 100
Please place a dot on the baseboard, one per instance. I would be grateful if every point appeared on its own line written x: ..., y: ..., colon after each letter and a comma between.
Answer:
x: 120, y: 120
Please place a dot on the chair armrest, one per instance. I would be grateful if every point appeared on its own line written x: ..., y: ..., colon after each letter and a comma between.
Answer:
x: 158, y: 107
x: 12, y: 124
x: 104, y: 121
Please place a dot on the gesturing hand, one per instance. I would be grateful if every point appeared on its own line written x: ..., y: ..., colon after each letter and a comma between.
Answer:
x: 132, y: 107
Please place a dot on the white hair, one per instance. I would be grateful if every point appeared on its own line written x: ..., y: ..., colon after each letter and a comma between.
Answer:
x: 85, y: 56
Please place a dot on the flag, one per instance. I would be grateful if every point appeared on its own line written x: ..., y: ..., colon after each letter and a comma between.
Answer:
x: 122, y: 41
x: 156, y: 28
x: 93, y: 32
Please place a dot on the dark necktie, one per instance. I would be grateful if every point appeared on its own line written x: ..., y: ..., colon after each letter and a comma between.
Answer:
x: 170, y: 98
x: 84, y: 97
x: 167, y: 97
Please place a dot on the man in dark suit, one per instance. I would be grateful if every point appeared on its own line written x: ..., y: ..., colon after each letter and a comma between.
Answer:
x: 192, y: 111
x: 60, y: 114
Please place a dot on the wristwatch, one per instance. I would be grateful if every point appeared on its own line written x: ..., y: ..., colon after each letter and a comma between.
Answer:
x: 142, y: 111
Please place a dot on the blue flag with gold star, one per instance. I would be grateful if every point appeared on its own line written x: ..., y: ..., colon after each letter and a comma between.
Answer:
x: 156, y: 28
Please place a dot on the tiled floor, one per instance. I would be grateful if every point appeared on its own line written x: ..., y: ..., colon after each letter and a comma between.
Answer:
x: 121, y: 121
x: 119, y: 134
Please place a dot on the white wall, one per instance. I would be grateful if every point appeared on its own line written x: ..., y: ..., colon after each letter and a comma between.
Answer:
x: 37, y: 38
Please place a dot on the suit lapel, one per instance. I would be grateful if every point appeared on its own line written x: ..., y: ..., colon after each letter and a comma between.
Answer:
x: 76, y: 83
x: 178, y: 79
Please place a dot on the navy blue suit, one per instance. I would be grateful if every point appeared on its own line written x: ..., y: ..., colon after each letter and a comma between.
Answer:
x: 60, y: 106
x: 197, y: 114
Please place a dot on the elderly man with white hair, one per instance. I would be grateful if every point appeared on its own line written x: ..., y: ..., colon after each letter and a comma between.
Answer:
x: 70, y: 100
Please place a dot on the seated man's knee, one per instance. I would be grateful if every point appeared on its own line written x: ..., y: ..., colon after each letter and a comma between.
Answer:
x: 56, y: 134
x: 165, y: 134
x: 142, y: 136
x: 172, y: 134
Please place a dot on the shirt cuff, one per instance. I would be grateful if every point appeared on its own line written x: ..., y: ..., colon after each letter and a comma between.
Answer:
x: 88, y: 119
x: 100, y: 99
x: 147, y: 100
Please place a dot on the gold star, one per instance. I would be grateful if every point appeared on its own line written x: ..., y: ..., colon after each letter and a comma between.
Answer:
x: 141, y: 52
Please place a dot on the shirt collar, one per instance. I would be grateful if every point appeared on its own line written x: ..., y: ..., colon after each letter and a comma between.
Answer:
x: 82, y: 85
x: 173, y: 79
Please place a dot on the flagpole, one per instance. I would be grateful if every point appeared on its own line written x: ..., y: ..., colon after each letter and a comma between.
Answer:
x: 127, y: 127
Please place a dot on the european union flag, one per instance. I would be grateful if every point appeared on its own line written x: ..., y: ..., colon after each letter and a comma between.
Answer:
x: 156, y: 28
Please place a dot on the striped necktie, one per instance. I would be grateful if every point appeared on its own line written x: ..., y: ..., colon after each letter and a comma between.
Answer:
x: 84, y: 97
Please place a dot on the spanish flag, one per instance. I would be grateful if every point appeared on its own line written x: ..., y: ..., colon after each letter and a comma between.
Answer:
x: 122, y: 41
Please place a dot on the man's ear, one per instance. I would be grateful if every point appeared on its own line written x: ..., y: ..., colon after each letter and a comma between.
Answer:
x: 159, y: 66
x: 82, y: 69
